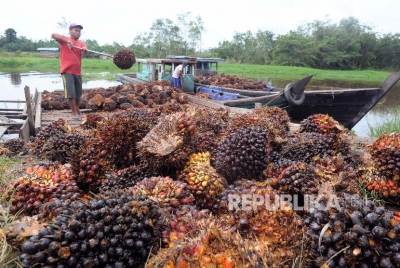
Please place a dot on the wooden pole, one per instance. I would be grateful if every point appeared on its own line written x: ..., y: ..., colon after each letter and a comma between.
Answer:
x: 31, y: 122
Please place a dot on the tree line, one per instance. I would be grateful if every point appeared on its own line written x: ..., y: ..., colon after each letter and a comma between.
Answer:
x: 348, y: 45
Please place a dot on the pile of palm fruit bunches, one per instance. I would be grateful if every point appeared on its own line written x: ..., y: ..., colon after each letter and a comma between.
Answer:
x: 159, y: 182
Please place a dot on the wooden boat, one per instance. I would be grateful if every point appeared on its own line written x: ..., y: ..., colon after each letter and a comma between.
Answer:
x: 347, y: 106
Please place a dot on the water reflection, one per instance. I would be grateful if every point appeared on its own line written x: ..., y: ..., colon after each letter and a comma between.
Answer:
x: 15, y: 78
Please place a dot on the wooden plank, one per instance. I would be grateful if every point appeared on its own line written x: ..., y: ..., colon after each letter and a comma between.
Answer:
x: 3, y: 129
x: 11, y: 110
x: 217, y: 106
x: 12, y: 101
x: 38, y: 113
x: 24, y: 132
x: 34, y: 101
x: 11, y: 124
x: 31, y: 122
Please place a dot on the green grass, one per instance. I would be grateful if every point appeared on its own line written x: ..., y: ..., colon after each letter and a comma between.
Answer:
x: 386, y: 126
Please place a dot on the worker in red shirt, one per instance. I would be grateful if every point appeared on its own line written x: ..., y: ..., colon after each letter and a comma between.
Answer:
x: 71, y: 50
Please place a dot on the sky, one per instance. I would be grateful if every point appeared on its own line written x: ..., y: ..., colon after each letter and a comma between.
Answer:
x: 120, y: 21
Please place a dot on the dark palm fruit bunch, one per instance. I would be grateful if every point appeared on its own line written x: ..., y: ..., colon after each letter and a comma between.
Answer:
x: 118, y: 135
x: 279, y: 122
x: 122, y: 178
x: 109, y: 105
x: 276, y: 164
x: 356, y: 233
x: 55, y: 127
x: 114, y: 230
x: 385, y: 152
x: 60, y: 145
x: 165, y: 191
x: 243, y: 154
x: 167, y: 146
x: 298, y: 178
x: 321, y: 123
x: 124, y: 59
x: 203, y: 180
x: 41, y: 184
x: 306, y: 146
x: 16, y: 146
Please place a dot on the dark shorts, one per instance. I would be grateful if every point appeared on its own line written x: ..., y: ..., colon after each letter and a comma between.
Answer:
x: 177, y: 82
x: 72, y: 86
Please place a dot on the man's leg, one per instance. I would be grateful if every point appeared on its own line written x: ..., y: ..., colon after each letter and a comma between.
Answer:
x: 74, y: 108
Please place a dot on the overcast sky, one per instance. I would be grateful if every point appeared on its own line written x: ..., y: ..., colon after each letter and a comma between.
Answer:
x: 120, y: 21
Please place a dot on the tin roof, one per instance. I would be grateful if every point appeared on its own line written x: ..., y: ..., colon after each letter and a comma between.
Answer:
x: 47, y: 49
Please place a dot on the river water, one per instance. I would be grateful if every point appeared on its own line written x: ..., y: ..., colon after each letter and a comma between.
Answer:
x: 12, y: 88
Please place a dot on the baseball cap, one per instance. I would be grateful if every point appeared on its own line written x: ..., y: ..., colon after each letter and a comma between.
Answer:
x: 73, y: 25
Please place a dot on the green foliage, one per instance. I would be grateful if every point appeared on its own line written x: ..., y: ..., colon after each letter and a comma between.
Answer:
x: 386, y: 126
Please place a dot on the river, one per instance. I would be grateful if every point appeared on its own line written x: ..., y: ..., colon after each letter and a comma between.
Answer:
x: 12, y: 88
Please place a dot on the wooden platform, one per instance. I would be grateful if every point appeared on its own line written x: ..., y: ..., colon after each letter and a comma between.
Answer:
x: 49, y: 116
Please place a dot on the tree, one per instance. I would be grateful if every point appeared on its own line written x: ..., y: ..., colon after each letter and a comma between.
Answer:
x: 11, y: 35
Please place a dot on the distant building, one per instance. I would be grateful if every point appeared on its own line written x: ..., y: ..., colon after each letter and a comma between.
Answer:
x: 49, y: 52
x: 104, y: 57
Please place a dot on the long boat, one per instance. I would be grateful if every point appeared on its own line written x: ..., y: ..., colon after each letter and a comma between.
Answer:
x: 347, y: 106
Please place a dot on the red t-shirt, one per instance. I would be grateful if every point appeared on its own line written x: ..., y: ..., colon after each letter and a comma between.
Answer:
x: 71, y: 59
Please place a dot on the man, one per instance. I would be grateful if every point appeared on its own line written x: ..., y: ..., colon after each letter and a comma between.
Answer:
x: 177, y: 75
x: 70, y: 66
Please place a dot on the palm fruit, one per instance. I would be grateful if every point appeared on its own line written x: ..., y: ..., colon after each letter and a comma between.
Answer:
x: 55, y: 127
x: 187, y: 222
x: 126, y: 106
x: 88, y: 168
x: 41, y: 183
x: 385, y: 152
x: 111, y: 230
x: 243, y: 154
x: 306, y: 146
x: 92, y: 119
x: 278, y: 126
x: 122, y: 178
x: 321, y: 123
x: 212, y: 246
x: 60, y: 146
x: 109, y: 105
x: 165, y: 191
x: 357, y: 233
x: 386, y: 189
x: 276, y: 164
x: 124, y: 59
x: 119, y: 133
x: 16, y: 146
x: 203, y: 180
x: 167, y: 146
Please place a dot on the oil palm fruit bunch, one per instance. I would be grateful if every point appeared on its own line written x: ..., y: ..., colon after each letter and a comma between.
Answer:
x: 124, y: 59
x: 279, y: 122
x: 298, y: 178
x: 55, y: 127
x: 165, y: 191
x: 356, y: 233
x: 276, y: 164
x: 385, y: 153
x: 16, y: 146
x: 243, y: 154
x: 88, y: 168
x: 111, y: 230
x: 306, y: 146
x: 255, y: 208
x: 167, y: 147
x: 122, y: 178
x: 109, y: 105
x: 321, y: 123
x: 217, y: 248
x: 41, y: 183
x: 187, y: 222
x: 60, y: 145
x: 92, y: 119
x: 371, y: 179
x: 203, y: 180
x: 119, y: 133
